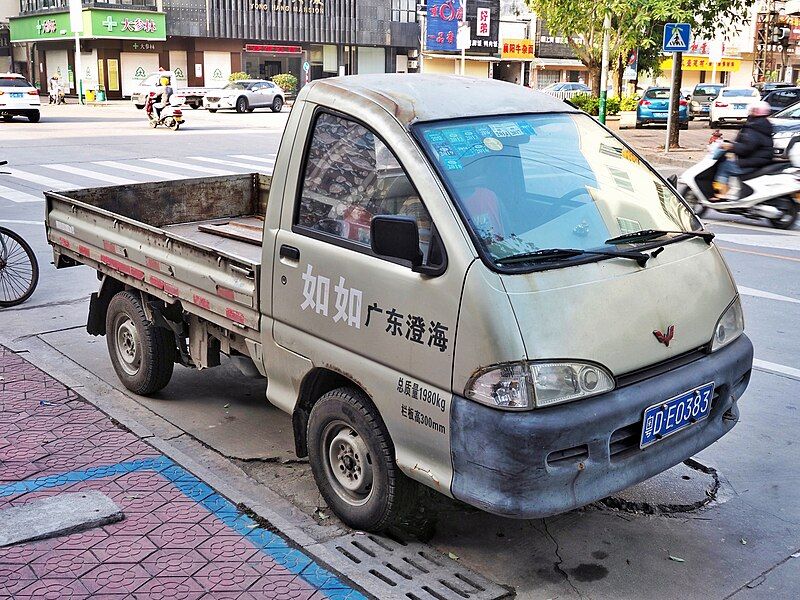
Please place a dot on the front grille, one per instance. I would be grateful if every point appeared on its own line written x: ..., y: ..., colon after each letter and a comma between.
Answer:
x: 210, y: 99
x: 575, y: 454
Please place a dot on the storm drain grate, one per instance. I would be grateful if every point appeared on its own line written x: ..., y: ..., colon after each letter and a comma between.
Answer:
x: 410, y: 570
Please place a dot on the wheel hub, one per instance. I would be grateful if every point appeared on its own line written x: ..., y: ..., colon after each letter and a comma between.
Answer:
x: 128, y: 345
x: 349, y: 465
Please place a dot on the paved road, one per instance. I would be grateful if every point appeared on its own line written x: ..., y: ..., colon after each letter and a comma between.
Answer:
x: 740, y: 545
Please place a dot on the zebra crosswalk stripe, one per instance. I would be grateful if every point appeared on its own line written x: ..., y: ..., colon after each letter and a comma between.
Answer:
x: 180, y: 165
x: 270, y: 161
x: 18, y: 196
x: 111, y: 164
x: 110, y: 179
x: 48, y: 182
x: 229, y: 163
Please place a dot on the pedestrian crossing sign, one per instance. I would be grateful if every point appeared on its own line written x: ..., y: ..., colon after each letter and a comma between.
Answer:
x: 677, y: 37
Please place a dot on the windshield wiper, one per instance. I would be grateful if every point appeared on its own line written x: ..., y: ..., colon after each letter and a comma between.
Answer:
x: 549, y: 254
x: 645, y: 235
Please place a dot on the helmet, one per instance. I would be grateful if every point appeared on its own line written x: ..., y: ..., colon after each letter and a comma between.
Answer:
x: 164, y: 80
x: 759, y: 109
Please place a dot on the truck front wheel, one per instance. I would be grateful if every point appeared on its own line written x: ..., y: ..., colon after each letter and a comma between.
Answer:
x: 352, y: 459
x: 143, y: 355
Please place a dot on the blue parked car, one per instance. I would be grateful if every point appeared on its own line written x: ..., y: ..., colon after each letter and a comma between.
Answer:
x: 654, y: 106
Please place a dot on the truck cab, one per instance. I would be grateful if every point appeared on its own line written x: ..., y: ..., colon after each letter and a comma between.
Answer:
x: 498, y: 300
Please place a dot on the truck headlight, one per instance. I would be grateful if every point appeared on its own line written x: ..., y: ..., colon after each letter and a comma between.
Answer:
x: 522, y: 386
x: 729, y: 327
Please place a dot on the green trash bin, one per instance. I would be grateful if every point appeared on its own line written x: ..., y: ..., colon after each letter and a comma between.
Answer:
x: 101, y: 95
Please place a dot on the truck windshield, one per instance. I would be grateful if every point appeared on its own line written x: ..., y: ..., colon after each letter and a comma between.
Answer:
x: 532, y: 182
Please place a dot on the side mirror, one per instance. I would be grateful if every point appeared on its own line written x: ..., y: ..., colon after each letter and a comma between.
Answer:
x: 673, y: 180
x: 396, y: 237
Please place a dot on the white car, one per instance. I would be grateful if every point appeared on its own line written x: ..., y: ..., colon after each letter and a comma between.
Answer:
x: 731, y: 105
x: 18, y: 98
x: 246, y: 95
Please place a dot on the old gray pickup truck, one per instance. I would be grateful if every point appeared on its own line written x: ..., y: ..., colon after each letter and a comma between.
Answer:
x: 451, y: 282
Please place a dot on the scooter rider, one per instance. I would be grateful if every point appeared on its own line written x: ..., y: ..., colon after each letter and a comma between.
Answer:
x: 752, y: 149
x: 163, y: 94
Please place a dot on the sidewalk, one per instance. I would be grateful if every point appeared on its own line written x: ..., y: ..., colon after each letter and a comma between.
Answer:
x: 179, y: 539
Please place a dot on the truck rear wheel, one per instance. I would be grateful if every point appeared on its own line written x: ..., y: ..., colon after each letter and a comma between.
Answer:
x: 352, y: 459
x: 143, y: 355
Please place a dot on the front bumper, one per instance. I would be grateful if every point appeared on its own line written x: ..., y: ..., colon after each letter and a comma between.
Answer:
x: 19, y: 110
x: 547, y: 461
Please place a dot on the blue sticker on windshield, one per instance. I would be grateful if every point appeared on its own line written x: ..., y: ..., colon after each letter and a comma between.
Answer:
x: 526, y: 128
x: 453, y: 136
x: 452, y: 164
x: 434, y: 137
x: 505, y: 129
x: 443, y: 151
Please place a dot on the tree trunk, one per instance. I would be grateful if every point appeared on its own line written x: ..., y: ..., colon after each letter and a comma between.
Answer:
x: 674, y: 99
x: 594, y: 80
x: 620, y: 73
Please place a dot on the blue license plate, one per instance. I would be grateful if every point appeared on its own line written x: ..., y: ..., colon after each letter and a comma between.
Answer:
x: 16, y: 95
x: 665, y: 418
x: 660, y: 115
x: 740, y: 106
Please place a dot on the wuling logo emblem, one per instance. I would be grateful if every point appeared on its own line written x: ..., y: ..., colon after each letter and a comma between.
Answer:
x: 665, y: 338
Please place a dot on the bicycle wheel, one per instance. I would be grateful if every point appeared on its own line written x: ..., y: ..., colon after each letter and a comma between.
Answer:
x: 19, y: 270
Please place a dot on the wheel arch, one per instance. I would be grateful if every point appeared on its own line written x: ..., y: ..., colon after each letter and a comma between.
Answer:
x: 316, y: 383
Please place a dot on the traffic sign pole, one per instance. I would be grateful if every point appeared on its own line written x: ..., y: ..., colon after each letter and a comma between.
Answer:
x: 669, y: 104
x: 676, y: 40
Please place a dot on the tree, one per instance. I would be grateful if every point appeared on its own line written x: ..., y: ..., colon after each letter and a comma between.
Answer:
x: 634, y: 24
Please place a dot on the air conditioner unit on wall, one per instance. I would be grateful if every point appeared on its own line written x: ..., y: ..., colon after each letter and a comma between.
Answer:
x: 413, y: 64
x: 413, y: 53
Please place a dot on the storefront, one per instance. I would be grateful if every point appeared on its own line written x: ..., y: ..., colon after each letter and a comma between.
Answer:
x: 119, y: 48
x: 516, y: 56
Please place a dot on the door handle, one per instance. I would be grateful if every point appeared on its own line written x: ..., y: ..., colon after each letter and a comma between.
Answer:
x: 289, y: 252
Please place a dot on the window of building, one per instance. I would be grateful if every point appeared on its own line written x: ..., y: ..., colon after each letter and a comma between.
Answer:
x: 404, y: 11
x: 350, y: 177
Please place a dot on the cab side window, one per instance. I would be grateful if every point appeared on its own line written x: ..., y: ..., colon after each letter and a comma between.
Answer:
x: 351, y: 176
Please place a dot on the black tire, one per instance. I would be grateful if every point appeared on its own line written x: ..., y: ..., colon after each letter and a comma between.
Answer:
x: 250, y: 109
x: 277, y: 104
x: 345, y: 417
x: 692, y: 200
x: 212, y: 110
x: 139, y: 106
x: 34, y: 116
x: 241, y: 104
x: 712, y: 124
x: 684, y: 126
x: 19, y: 269
x: 639, y: 125
x: 194, y: 105
x: 788, y: 208
x: 143, y: 355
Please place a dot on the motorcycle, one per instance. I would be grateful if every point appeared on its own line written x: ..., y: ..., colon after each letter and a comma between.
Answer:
x: 772, y: 192
x: 170, y: 116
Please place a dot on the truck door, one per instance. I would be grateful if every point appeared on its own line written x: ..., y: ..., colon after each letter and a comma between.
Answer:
x: 368, y: 317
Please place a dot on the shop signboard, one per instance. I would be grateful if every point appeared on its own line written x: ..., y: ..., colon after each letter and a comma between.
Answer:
x: 442, y: 24
x: 484, y: 20
x: 517, y: 48
x: 273, y: 49
x: 97, y: 23
x: 702, y: 63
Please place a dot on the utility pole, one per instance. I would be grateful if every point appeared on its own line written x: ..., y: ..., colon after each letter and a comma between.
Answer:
x: 604, y: 68
x: 76, y: 25
x: 463, y: 26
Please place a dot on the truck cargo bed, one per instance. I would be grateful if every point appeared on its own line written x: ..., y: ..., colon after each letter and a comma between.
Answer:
x: 162, y: 238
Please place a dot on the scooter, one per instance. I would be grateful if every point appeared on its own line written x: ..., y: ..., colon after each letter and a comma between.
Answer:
x: 170, y: 116
x: 772, y: 192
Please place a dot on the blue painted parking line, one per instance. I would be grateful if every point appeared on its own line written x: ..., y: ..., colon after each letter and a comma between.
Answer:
x: 268, y: 542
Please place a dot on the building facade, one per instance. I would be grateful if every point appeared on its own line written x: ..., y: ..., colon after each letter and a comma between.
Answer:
x: 203, y: 41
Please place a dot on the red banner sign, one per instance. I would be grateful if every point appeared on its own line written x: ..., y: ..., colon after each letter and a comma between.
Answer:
x: 273, y: 49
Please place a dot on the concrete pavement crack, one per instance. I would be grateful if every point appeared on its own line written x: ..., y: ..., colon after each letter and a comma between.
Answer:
x: 761, y: 576
x: 47, y: 305
x: 557, y: 564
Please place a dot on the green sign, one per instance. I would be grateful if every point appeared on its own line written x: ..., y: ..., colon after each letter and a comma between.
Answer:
x: 117, y: 24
